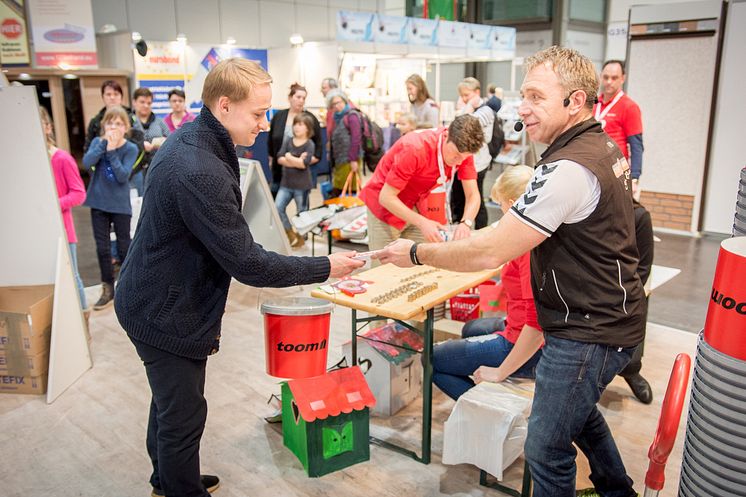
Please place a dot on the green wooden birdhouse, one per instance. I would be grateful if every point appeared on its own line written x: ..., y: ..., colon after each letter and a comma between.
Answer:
x: 325, y: 420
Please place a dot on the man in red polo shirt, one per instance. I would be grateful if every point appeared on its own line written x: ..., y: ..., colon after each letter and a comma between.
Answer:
x: 415, y: 165
x: 621, y: 119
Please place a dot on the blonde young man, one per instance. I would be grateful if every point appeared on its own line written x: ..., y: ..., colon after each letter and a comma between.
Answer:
x: 191, y: 239
x: 577, y: 219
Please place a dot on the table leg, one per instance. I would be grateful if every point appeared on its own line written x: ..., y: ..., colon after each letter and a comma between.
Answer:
x: 354, y: 337
x: 427, y: 387
x: 329, y: 239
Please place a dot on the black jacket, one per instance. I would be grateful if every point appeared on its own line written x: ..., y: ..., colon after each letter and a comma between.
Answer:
x: 584, y: 276
x: 190, y: 240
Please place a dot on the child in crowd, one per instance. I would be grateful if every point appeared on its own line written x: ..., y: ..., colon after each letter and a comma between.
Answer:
x: 295, y: 158
x: 493, y: 349
x: 71, y: 192
x: 110, y: 158
x: 406, y: 123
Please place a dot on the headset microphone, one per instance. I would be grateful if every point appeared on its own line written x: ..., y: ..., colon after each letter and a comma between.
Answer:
x: 518, y: 126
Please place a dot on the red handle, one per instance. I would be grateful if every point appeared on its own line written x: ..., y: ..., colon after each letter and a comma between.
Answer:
x: 668, y: 423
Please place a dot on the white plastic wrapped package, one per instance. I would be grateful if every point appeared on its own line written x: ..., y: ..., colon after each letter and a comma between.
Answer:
x: 488, y: 426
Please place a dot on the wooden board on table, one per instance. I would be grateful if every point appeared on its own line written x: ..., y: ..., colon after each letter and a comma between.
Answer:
x: 387, y: 277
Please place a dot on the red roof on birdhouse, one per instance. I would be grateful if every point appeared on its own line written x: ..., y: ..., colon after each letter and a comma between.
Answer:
x: 342, y: 390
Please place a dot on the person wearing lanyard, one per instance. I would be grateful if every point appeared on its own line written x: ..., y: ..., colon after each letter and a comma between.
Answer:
x: 415, y: 165
x: 621, y: 119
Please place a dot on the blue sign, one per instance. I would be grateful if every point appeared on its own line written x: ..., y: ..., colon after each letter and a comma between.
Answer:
x: 160, y: 89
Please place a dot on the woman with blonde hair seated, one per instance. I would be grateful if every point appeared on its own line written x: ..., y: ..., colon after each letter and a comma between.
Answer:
x: 493, y: 349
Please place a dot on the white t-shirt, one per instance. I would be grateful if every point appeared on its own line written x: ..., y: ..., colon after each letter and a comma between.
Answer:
x: 562, y: 192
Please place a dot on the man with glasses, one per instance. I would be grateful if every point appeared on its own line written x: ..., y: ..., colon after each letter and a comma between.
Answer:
x: 577, y: 219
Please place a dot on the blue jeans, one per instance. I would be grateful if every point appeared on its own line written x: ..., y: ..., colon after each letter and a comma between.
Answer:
x: 76, y: 273
x: 569, y: 382
x: 455, y: 360
x: 284, y: 196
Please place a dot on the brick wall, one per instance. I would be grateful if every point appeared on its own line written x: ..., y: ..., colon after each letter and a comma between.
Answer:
x: 669, y: 210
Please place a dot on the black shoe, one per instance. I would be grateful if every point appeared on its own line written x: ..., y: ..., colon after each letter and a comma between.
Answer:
x: 210, y: 482
x: 107, y: 297
x: 640, y: 387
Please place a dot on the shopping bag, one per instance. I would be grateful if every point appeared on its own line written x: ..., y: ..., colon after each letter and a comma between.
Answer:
x: 347, y: 198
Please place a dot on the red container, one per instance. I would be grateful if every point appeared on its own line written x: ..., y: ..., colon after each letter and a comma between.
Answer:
x: 725, y: 325
x: 296, y: 336
x: 491, y: 297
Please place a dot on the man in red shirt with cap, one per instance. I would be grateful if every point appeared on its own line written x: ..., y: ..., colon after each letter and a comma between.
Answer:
x: 415, y: 165
x: 621, y: 119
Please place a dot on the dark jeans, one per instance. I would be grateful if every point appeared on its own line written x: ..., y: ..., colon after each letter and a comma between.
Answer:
x: 458, y: 202
x: 101, y: 222
x: 570, y: 379
x: 178, y: 411
x: 455, y: 360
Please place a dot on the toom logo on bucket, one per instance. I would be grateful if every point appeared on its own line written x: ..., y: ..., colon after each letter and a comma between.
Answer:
x: 63, y: 36
x: 11, y: 29
x: 301, y: 347
x: 728, y: 302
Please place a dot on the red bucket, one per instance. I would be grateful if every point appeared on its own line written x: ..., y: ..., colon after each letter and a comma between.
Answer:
x: 296, y: 336
x: 726, y: 315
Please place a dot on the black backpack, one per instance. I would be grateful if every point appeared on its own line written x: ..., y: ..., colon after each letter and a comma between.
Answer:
x: 498, y: 138
x: 372, y: 141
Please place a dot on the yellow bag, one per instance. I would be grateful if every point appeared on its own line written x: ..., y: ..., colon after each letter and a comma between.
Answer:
x: 347, y: 199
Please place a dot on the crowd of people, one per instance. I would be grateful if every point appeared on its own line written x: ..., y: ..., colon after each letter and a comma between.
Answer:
x: 575, y: 246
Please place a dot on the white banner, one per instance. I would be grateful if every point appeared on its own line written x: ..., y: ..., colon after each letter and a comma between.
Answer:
x: 63, y: 33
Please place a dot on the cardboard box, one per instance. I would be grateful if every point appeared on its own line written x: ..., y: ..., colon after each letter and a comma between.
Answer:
x: 25, y: 332
x: 25, y: 319
x: 23, y: 384
x: 392, y: 367
x: 24, y: 365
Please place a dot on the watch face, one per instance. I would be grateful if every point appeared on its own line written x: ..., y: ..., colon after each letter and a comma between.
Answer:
x: 468, y: 222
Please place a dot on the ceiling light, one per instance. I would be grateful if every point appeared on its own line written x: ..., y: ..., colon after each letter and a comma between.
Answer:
x: 296, y: 39
x: 136, y: 36
x: 181, y: 38
x: 24, y: 76
x: 230, y: 41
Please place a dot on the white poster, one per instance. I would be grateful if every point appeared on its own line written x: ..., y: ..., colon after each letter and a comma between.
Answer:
x: 391, y: 29
x: 480, y: 36
x: 452, y: 34
x: 423, y: 32
x: 355, y: 26
x: 503, y: 42
x: 63, y: 33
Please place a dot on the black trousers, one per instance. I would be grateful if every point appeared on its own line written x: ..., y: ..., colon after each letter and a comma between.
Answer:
x: 635, y: 364
x: 178, y: 412
x: 458, y: 201
x: 101, y: 223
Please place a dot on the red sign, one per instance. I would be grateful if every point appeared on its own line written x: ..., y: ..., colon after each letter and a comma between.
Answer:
x: 11, y: 29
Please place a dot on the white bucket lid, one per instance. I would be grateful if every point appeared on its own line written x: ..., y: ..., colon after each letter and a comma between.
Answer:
x: 296, y: 306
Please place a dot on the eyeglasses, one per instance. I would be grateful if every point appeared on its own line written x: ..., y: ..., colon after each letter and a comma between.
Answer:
x: 115, y: 124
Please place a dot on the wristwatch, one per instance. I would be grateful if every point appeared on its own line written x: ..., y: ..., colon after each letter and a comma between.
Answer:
x: 468, y: 222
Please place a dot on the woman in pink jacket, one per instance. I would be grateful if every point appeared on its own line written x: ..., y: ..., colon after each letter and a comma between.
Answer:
x: 70, y: 190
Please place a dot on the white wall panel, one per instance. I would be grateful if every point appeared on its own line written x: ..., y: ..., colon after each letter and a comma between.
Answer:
x: 154, y: 19
x: 312, y: 22
x: 109, y: 12
x: 277, y: 23
x: 199, y: 20
x: 344, y: 4
x: 240, y: 19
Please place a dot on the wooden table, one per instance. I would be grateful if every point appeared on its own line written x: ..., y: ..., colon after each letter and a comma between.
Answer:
x: 385, y: 278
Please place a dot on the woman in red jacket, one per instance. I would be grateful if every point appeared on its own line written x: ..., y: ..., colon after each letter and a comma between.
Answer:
x: 492, y: 349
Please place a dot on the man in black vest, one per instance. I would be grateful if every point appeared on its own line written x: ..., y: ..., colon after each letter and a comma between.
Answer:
x: 577, y: 219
